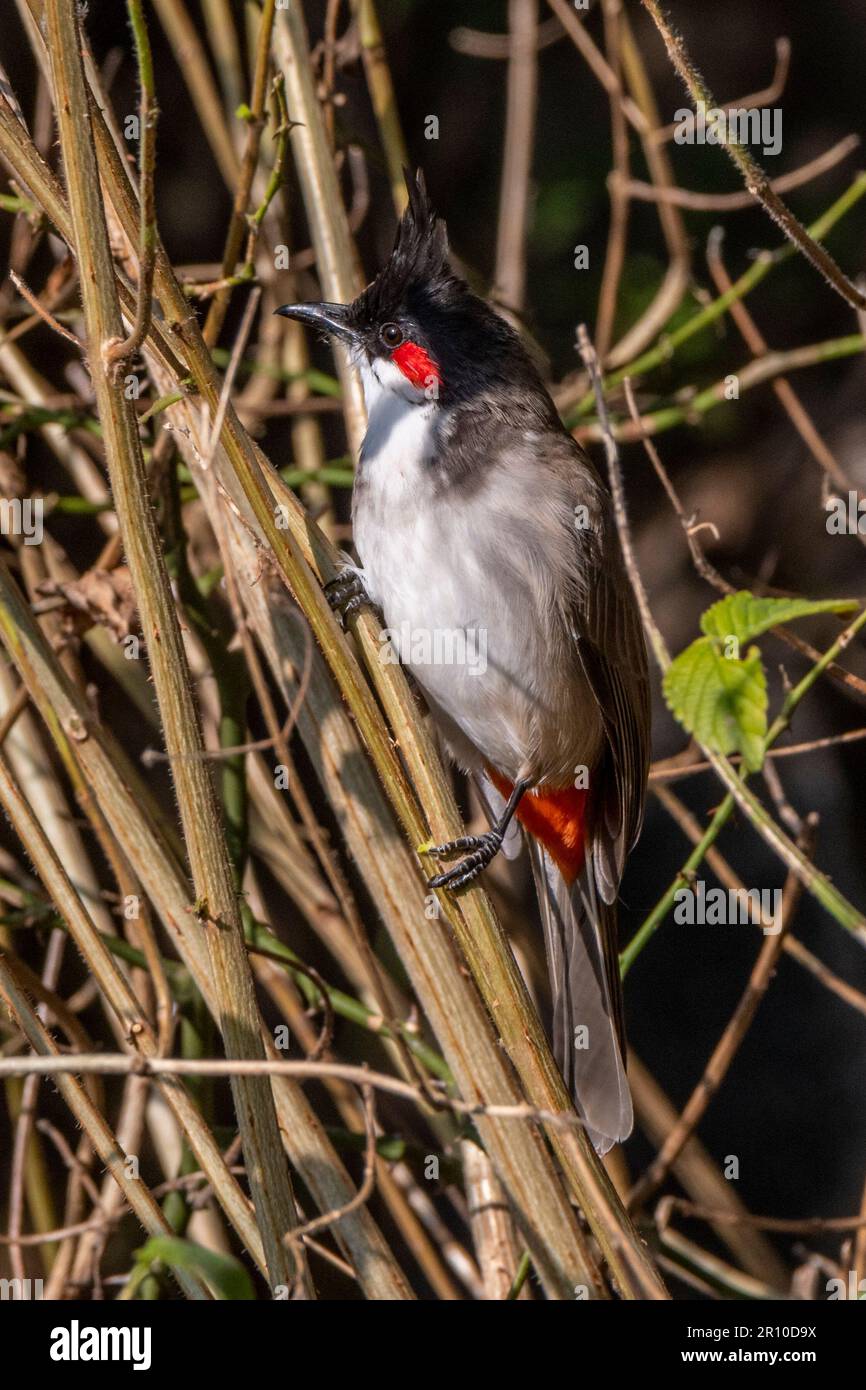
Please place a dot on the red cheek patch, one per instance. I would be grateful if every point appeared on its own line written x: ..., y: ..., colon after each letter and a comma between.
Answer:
x: 417, y: 366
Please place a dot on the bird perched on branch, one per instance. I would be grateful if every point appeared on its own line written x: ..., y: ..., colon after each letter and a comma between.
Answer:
x: 475, y: 511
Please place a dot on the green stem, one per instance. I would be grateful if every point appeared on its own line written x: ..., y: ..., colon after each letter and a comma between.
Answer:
x: 815, y: 882
x: 345, y: 1005
x: 754, y: 373
x: 669, y: 342
x: 520, y: 1277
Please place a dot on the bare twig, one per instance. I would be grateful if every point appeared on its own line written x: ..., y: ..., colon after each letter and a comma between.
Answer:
x: 614, y: 258
x: 148, y: 114
x: 757, y: 344
x: 756, y: 181
x: 41, y: 310
x: 477, y: 44
x: 218, y: 913
x: 509, y: 283
x: 104, y: 1141
x: 725, y: 1050
x: 382, y: 95
x: 330, y: 1218
x: 765, y: 97
x: 806, y: 1225
x: 675, y: 771
x: 255, y: 119
x: 733, y: 202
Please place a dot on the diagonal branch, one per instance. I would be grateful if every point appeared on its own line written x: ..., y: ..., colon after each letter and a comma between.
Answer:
x: 754, y: 177
x: 217, y: 907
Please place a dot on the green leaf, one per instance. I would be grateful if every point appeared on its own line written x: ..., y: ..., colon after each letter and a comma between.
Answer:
x: 721, y: 700
x: 744, y: 705
x: 224, y: 1273
x: 721, y: 697
x: 745, y: 617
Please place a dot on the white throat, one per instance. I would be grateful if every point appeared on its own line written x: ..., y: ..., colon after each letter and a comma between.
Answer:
x: 401, y: 428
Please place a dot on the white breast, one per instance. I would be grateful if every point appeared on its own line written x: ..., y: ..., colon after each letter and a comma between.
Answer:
x: 394, y: 475
x: 429, y: 562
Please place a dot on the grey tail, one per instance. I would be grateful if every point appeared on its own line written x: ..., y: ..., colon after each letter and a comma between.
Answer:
x: 588, y: 1041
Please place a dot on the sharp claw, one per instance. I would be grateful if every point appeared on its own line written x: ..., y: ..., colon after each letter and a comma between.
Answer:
x: 484, y: 847
x: 453, y: 846
x: 345, y: 594
x: 346, y: 576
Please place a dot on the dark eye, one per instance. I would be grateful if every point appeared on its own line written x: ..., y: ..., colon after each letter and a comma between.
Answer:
x: 391, y: 335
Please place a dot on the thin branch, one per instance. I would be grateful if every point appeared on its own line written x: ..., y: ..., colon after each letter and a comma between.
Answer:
x: 767, y: 96
x: 708, y: 572
x: 796, y: 1226
x: 757, y: 344
x: 675, y: 281
x: 589, y: 358
x: 670, y: 771
x: 218, y: 915
x: 238, y: 349
x: 148, y: 116
x: 598, y: 64
x: 702, y: 565
x: 756, y: 181
x: 614, y: 257
x: 122, y: 1064
x: 509, y: 283
x: 192, y: 61
x: 121, y: 999
x: 477, y: 44
x: 726, y: 1049
x: 733, y: 202
x: 255, y: 119
x: 43, y: 313
x: 368, y: 1183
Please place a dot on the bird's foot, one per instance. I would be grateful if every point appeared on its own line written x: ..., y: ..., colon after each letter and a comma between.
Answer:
x: 483, y: 848
x: 346, y: 594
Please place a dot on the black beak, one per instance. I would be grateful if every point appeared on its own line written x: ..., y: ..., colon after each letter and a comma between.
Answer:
x: 331, y: 318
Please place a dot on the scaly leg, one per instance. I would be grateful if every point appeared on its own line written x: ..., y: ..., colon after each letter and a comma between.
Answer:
x: 484, y: 848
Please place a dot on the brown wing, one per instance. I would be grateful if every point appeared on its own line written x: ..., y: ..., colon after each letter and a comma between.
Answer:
x: 612, y: 652
x: 611, y: 649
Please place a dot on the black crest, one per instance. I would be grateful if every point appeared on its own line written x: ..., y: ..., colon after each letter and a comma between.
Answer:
x: 420, y: 254
x: 480, y: 358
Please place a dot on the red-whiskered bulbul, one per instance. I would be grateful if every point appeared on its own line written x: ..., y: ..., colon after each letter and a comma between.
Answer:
x: 474, y: 510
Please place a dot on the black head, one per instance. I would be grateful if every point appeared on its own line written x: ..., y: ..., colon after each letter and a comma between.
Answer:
x: 445, y: 341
